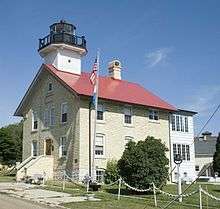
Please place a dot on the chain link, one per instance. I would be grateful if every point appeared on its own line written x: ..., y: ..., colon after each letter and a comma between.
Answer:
x: 210, y: 195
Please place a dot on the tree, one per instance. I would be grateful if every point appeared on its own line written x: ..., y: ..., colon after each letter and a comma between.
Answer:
x: 144, y: 162
x: 11, y: 143
x: 216, y: 157
x: 111, y: 172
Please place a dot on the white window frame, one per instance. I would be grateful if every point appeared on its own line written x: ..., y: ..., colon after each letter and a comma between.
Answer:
x: 101, y: 108
x: 100, y: 176
x: 32, y: 148
x: 35, y: 118
x: 126, y: 107
x: 183, y: 150
x: 46, y: 120
x: 62, y: 147
x: 155, y: 113
x: 103, y: 144
x: 52, y: 117
x: 61, y: 111
x: 48, y: 87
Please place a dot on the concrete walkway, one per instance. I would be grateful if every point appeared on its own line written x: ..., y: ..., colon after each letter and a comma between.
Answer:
x: 34, y: 193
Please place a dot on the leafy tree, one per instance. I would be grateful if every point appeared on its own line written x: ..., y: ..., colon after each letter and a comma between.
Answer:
x: 144, y: 162
x: 11, y: 144
x: 111, y: 172
x: 216, y: 158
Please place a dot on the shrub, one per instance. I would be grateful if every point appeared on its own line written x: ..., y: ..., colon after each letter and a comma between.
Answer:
x: 144, y: 162
x: 111, y: 172
x: 216, y: 158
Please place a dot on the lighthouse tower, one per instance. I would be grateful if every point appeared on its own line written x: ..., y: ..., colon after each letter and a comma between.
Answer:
x: 63, y: 48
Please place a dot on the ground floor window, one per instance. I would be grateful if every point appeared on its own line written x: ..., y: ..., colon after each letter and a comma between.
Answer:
x: 99, y: 145
x: 62, y: 147
x: 183, y: 150
x: 34, y: 148
x: 197, y: 167
x: 100, y: 175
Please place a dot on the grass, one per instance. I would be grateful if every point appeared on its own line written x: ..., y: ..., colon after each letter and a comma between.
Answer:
x: 7, y: 178
x: 130, y: 200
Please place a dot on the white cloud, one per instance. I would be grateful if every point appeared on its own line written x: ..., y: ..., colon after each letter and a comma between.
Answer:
x: 156, y: 57
x: 204, y: 100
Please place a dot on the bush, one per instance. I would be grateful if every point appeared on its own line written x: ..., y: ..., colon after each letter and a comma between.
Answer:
x: 111, y: 172
x: 216, y: 158
x: 144, y: 162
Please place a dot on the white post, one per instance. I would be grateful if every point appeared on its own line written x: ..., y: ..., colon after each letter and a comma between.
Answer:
x: 155, y: 195
x: 119, y: 188
x: 64, y: 179
x: 179, y: 183
x: 87, y: 186
x: 200, y: 197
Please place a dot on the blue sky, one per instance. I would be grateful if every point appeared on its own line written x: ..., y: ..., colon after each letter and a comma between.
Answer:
x: 170, y: 47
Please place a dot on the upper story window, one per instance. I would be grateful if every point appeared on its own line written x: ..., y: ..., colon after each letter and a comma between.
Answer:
x: 62, y: 147
x: 127, y: 115
x: 100, y: 112
x: 52, y: 116
x: 153, y: 114
x: 179, y: 123
x: 64, y: 108
x: 99, y: 145
x: 34, y: 121
x: 46, y: 118
x: 128, y: 139
x: 50, y: 87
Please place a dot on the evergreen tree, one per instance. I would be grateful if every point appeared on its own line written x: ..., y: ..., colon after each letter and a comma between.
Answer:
x: 144, y: 162
x: 216, y: 158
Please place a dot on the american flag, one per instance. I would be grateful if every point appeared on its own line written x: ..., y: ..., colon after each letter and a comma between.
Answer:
x: 93, y: 75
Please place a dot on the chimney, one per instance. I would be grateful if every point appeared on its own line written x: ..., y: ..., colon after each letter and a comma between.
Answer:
x: 114, y: 69
x: 206, y: 135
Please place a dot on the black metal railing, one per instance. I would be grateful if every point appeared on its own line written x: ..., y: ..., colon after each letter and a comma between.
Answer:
x: 66, y: 38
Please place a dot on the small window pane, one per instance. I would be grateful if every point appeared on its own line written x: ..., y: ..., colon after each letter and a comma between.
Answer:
x: 35, y: 121
x: 64, y: 113
x: 186, y: 125
x: 177, y: 123
x: 173, y: 122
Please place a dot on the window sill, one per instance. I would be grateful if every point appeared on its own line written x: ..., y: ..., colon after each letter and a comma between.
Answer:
x: 34, y: 131
x: 45, y: 129
x: 101, y: 121
x: 128, y: 125
x: 100, y: 157
x: 154, y: 121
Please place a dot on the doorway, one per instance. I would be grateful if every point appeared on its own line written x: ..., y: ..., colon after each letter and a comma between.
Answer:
x: 48, y: 146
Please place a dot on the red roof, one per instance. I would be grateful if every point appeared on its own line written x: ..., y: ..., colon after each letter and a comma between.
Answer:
x: 110, y: 89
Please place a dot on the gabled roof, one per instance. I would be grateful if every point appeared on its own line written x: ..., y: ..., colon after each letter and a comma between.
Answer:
x: 111, y: 89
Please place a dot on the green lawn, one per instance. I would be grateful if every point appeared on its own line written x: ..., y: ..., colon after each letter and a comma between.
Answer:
x: 7, y: 178
x: 131, y: 200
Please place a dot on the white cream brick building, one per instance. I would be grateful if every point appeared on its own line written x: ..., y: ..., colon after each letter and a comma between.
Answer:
x: 58, y: 117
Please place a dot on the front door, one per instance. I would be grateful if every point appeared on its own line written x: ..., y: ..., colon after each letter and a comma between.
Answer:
x: 48, y: 147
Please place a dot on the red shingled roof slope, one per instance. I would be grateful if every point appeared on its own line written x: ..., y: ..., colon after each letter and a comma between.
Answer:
x: 111, y: 89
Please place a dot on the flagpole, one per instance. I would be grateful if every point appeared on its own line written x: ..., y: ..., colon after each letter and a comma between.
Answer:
x: 95, y: 117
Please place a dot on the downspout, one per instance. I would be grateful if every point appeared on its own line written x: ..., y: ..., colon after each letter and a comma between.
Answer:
x: 170, y: 144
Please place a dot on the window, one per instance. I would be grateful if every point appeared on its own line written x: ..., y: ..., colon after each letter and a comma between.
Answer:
x: 34, y: 148
x: 34, y: 121
x: 153, y: 115
x: 50, y: 87
x: 186, y: 125
x: 127, y: 115
x: 62, y: 147
x: 174, y: 150
x: 183, y: 150
x: 128, y: 139
x: 181, y: 124
x: 52, y: 116
x: 185, y: 174
x: 187, y: 152
x: 99, y: 145
x: 173, y: 121
x: 100, y: 112
x: 197, y: 167
x: 64, y: 112
x: 46, y: 119
x: 100, y: 176
x: 178, y: 123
